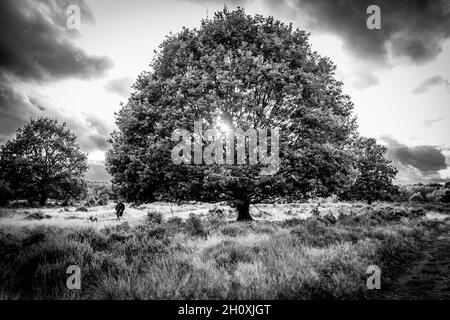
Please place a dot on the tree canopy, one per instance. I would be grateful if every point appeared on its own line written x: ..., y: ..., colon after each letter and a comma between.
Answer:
x: 375, y: 173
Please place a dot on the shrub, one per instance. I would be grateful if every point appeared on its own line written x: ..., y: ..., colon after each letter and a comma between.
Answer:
x: 315, y: 211
x: 194, y: 226
x: 228, y: 254
x: 329, y: 219
x: 313, y: 232
x: 96, y: 239
x: 82, y: 209
x: 175, y: 220
x: 120, y: 237
x: 216, y: 215
x: 445, y: 198
x: 416, y: 197
x: 90, y: 202
x: 103, y: 201
x: 157, y: 232
x: 35, y: 238
x: 233, y: 230
x: 154, y: 217
x: 439, y: 195
x: 291, y: 222
x: 432, y: 196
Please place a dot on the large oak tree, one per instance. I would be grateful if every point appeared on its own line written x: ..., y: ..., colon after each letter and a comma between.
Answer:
x: 249, y: 72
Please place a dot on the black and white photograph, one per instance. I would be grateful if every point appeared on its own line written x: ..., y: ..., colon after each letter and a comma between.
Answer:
x: 242, y: 150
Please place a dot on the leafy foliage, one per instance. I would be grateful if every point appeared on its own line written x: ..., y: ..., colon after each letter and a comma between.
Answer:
x: 417, y: 197
x: 43, y: 161
x: 98, y: 193
x: 375, y: 173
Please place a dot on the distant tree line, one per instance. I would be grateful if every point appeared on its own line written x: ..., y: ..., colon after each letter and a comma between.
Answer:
x: 433, y: 192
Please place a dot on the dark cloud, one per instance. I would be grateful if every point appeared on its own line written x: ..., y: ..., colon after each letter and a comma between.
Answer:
x: 96, y: 133
x: 119, y: 86
x: 430, y: 82
x: 17, y: 108
x: 97, y: 172
x: 414, y: 29
x: 36, y: 45
x: 424, y: 158
x: 415, y: 164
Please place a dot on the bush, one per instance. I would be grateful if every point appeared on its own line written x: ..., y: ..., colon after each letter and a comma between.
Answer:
x: 104, y: 199
x: 228, y: 254
x: 416, y: 197
x: 154, y: 217
x: 313, y: 232
x: 439, y: 195
x: 82, y: 209
x: 445, y: 198
x: 97, y: 240
x: 216, y: 215
x: 175, y: 220
x: 234, y: 229
x: 194, y: 227
x: 315, y: 211
x: 329, y: 219
x: 90, y: 202
x: 158, y: 233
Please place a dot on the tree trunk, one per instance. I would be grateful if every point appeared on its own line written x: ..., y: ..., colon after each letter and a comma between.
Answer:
x: 243, y: 209
x: 42, y: 200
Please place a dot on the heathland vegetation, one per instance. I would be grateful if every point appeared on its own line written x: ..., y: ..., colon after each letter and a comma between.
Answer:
x: 323, y: 256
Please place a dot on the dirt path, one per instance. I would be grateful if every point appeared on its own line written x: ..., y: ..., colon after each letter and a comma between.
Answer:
x: 428, y: 277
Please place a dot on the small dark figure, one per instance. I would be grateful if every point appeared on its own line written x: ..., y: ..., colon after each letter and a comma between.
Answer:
x: 120, y: 208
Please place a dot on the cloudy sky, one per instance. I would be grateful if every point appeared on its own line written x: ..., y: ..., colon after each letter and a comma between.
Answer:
x: 398, y: 76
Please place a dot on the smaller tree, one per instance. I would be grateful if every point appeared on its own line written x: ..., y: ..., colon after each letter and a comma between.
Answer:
x: 375, y: 173
x: 43, y: 161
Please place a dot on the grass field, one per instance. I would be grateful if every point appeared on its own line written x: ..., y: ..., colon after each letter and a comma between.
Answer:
x: 165, y: 251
